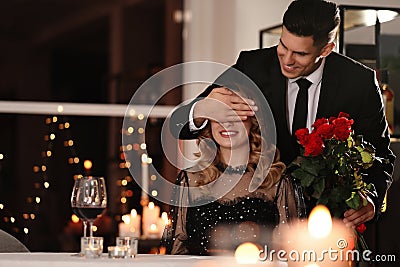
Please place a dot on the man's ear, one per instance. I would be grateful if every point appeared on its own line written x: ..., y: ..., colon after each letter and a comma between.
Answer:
x: 327, y: 49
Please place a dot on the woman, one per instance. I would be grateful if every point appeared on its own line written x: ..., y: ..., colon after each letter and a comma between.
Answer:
x: 240, y: 195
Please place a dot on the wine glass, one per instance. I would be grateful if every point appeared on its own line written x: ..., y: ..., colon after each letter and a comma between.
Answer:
x: 88, y: 200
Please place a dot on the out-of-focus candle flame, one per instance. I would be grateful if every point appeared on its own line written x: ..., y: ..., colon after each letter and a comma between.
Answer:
x: 74, y: 218
x: 126, y: 218
x: 151, y: 205
x: 87, y: 164
x: 133, y: 213
x: 320, y: 222
x: 247, y: 253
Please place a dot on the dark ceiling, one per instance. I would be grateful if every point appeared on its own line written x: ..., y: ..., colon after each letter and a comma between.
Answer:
x: 39, y: 21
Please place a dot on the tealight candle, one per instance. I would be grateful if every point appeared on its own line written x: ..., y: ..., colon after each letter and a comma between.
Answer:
x: 247, y: 253
x: 317, y: 240
x: 118, y: 252
x: 130, y: 243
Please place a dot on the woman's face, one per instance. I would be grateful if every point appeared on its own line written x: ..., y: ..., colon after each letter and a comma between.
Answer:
x: 231, y: 135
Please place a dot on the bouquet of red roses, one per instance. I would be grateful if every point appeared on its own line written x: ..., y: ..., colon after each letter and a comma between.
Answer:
x: 331, y: 166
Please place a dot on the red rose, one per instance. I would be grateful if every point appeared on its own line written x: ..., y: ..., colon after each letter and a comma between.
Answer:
x: 342, y: 128
x: 325, y: 131
x: 302, y: 136
x: 315, y: 145
x: 319, y: 122
x: 343, y: 114
x: 361, y: 228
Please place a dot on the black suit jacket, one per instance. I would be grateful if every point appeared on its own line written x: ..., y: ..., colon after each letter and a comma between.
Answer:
x: 347, y: 86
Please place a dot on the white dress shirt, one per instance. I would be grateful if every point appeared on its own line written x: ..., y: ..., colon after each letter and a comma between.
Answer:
x: 313, y: 95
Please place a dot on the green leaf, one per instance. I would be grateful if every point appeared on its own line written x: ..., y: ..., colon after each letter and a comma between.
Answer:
x: 354, y: 201
x: 366, y: 157
x: 306, y: 178
x: 318, y: 187
x: 311, y: 167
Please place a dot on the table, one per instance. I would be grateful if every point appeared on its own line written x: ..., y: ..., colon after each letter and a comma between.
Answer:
x: 37, y: 259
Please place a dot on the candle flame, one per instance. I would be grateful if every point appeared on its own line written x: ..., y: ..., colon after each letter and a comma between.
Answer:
x: 126, y: 219
x: 247, y: 253
x: 133, y: 213
x: 153, y: 227
x: 144, y: 158
x: 74, y: 218
x: 320, y: 222
x: 151, y: 205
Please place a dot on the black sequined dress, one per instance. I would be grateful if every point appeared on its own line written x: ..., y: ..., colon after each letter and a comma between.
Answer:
x: 220, y: 225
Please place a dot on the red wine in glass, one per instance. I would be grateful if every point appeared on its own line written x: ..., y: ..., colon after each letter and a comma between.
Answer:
x: 89, y: 199
x: 87, y: 213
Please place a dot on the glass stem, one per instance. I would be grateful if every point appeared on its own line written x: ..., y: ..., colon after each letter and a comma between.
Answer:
x: 91, y: 228
x: 84, y: 228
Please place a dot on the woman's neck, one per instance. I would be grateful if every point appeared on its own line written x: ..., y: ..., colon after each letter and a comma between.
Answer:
x: 234, y: 157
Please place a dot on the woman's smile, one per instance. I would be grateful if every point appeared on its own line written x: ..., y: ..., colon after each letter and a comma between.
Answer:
x: 228, y: 134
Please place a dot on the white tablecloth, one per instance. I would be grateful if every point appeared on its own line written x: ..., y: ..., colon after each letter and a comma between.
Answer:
x: 145, y: 260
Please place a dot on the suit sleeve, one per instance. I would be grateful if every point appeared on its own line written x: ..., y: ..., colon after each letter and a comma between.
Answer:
x: 179, y: 120
x: 375, y: 130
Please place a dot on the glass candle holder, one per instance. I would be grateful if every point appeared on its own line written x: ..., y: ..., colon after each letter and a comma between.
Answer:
x: 92, y: 247
x: 118, y: 252
x: 131, y: 243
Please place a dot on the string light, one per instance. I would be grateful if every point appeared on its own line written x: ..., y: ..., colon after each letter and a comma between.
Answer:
x: 57, y: 129
x: 55, y: 124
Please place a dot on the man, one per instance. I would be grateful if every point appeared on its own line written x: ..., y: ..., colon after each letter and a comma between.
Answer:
x: 338, y: 84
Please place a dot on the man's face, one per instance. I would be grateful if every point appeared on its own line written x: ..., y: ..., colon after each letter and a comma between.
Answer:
x: 297, y: 54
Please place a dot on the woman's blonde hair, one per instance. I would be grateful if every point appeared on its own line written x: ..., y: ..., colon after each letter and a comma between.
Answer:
x: 261, y: 156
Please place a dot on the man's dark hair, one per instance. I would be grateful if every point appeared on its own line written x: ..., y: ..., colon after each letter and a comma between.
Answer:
x: 317, y: 18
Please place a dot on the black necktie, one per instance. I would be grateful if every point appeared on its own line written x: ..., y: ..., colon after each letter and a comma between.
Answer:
x: 301, y: 107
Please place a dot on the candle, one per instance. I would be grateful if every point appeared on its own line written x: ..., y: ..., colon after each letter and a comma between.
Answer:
x: 145, y: 176
x: 130, y: 225
x: 320, y: 240
x: 118, y: 252
x: 135, y: 221
x: 154, y: 231
x: 150, y: 216
x: 163, y: 222
x: 247, y: 253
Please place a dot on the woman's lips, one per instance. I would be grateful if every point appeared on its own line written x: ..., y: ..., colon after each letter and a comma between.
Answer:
x: 228, y: 134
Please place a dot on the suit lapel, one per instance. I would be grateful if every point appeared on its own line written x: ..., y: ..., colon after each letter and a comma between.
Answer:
x: 278, y: 95
x: 329, y: 88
